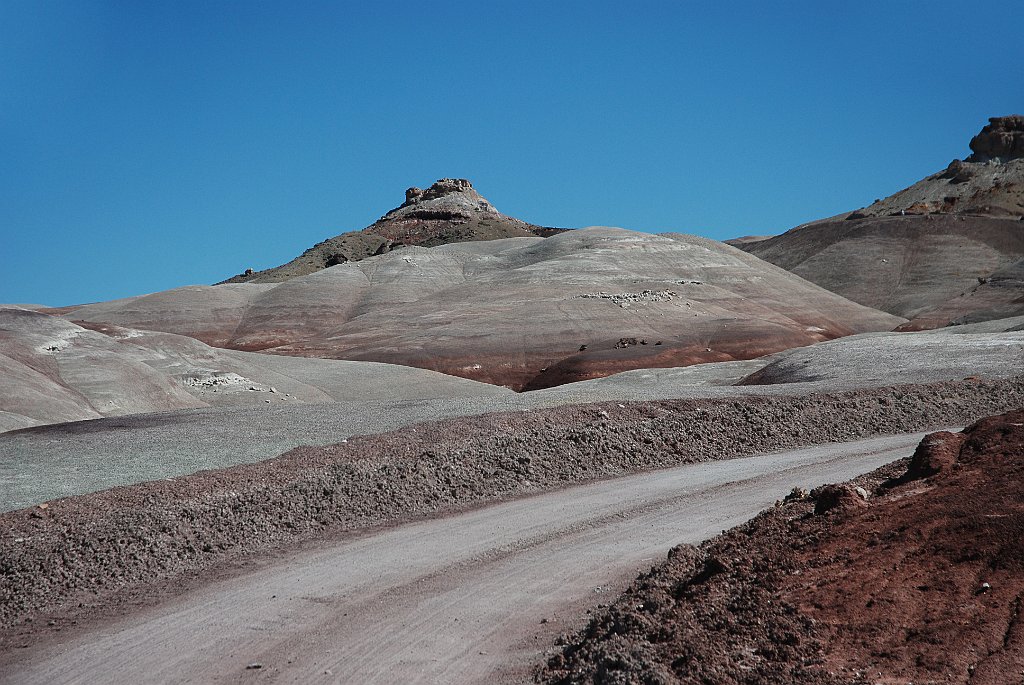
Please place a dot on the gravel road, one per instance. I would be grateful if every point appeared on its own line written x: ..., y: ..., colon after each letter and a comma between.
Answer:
x: 468, y: 598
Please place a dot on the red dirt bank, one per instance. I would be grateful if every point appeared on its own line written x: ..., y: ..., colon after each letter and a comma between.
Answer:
x: 921, y: 583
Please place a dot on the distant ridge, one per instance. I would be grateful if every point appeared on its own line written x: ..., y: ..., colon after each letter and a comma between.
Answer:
x: 449, y: 211
x: 947, y: 250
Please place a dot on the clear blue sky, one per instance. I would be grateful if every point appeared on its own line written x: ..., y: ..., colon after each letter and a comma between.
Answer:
x: 147, y: 145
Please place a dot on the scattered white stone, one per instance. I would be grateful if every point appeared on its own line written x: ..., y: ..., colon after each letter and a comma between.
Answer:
x: 624, y: 300
x: 862, y: 492
x: 129, y: 334
x: 214, y: 379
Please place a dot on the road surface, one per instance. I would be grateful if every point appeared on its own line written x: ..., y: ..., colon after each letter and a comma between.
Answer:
x: 470, y: 598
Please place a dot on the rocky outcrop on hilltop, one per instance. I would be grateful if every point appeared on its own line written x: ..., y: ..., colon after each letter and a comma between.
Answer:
x: 1000, y: 141
x: 449, y: 198
x: 449, y: 211
x: 924, y: 252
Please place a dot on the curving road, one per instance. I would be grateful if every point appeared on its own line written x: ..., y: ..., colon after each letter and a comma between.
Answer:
x: 474, y: 597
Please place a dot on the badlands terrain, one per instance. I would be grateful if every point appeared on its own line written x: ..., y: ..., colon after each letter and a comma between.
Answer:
x: 439, y: 448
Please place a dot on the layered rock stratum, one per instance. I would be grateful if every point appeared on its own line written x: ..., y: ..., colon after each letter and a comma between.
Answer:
x: 946, y: 250
x: 449, y: 211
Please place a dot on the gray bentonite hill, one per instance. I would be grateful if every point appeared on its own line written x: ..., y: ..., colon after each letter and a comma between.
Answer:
x: 526, y: 313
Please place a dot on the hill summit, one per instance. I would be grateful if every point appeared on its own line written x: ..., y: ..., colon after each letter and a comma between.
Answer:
x: 449, y: 211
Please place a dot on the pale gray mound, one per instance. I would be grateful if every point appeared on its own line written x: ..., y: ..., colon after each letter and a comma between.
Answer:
x: 207, y: 313
x: 525, y: 313
x: 57, y: 371
x: 54, y: 371
x: 878, y: 359
x: 654, y: 384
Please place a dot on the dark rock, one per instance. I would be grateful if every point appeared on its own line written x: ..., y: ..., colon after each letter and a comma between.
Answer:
x: 958, y: 172
x: 936, y: 453
x: 1001, y: 140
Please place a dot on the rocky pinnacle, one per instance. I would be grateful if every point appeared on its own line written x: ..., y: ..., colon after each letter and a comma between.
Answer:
x: 1001, y: 140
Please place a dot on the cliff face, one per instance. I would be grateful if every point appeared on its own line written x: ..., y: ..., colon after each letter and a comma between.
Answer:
x: 449, y: 211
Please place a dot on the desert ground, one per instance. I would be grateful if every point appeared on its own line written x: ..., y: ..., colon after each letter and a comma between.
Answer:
x: 443, y: 447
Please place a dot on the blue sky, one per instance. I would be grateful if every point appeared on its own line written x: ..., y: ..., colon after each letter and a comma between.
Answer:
x: 147, y: 145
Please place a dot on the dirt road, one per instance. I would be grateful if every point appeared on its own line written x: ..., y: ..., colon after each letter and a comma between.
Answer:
x: 465, y: 599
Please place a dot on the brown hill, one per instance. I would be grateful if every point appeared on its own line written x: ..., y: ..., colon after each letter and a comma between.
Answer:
x: 449, y: 211
x: 912, y: 574
x: 922, y: 252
